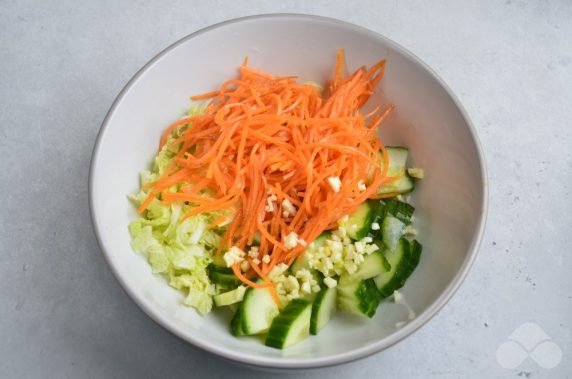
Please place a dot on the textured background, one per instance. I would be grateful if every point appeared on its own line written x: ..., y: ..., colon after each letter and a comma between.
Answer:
x: 62, y: 314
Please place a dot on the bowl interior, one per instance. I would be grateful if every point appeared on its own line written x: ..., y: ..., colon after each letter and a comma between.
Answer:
x: 450, y: 200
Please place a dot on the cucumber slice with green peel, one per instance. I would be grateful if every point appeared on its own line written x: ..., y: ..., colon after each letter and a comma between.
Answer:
x: 403, y: 185
x: 320, y: 241
x: 236, y: 324
x: 397, y: 160
x: 397, y: 167
x: 302, y: 261
x: 323, y: 308
x: 258, y: 310
x: 223, y: 276
x: 373, y: 265
x: 390, y: 281
x: 360, y: 297
x: 379, y: 210
x: 291, y: 326
x: 390, y: 208
x: 215, y: 267
x: 224, y: 280
x: 415, y: 249
x: 359, y: 222
x: 399, y: 209
x: 231, y: 297
x: 403, y: 259
x: 392, y: 229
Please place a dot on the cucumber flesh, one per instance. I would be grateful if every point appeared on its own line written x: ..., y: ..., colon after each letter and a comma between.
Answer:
x: 392, y: 229
x: 358, y: 297
x: 302, y: 261
x: 404, y: 184
x: 373, y: 265
x: 323, y: 309
x: 291, y: 326
x: 392, y: 216
x: 359, y: 222
x: 258, y: 309
x: 399, y: 209
x: 397, y: 160
x: 231, y: 297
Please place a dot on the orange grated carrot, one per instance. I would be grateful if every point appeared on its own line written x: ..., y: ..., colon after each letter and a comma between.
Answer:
x: 262, y: 135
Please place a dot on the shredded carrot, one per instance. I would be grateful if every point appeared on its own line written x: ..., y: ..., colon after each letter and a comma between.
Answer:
x: 264, y: 137
x: 245, y: 280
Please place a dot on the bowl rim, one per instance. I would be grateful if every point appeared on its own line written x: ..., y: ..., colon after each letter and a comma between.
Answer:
x: 312, y: 362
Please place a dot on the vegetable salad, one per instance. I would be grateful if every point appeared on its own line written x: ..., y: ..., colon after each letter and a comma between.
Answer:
x: 279, y: 200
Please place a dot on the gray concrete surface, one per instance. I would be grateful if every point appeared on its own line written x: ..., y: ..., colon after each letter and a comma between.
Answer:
x: 62, y: 314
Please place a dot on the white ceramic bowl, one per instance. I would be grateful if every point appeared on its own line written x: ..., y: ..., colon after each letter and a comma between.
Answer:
x: 451, y: 201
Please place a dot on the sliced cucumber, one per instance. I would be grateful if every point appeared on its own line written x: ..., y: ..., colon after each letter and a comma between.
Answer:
x: 220, y: 268
x: 377, y: 219
x: 399, y: 209
x: 223, y: 276
x: 292, y: 325
x: 392, y: 229
x: 403, y: 259
x: 360, y: 297
x: 397, y: 160
x: 400, y: 186
x: 231, y: 297
x: 224, y: 280
x: 389, y: 207
x: 323, y: 309
x: 415, y: 250
x: 397, y: 167
x: 302, y: 261
x: 390, y: 281
x: 373, y: 265
x: 258, y: 309
x: 359, y: 222
x: 236, y: 324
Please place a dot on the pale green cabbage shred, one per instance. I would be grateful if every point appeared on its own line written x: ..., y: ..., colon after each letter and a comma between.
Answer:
x: 178, y: 250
